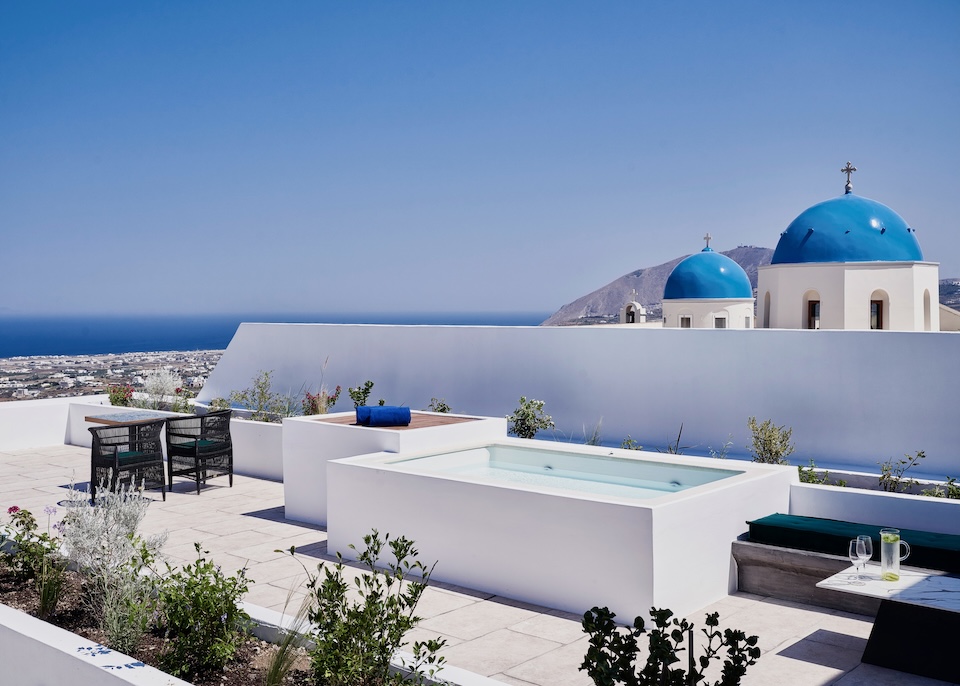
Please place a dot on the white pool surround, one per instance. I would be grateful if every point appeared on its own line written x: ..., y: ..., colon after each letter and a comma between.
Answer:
x: 564, y: 544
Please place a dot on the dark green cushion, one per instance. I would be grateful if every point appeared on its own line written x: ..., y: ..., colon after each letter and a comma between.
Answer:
x: 134, y: 456
x: 831, y: 536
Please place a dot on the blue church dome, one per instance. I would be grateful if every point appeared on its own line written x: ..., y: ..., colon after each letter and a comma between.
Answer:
x: 707, y: 275
x: 848, y: 229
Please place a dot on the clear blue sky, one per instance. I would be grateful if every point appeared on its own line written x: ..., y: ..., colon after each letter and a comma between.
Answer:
x: 434, y: 156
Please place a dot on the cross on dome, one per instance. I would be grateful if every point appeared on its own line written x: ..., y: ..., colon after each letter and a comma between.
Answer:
x: 848, y: 170
x: 708, y: 238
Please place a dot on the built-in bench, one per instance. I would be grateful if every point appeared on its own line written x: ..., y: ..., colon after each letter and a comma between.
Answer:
x: 785, y: 556
x: 927, y: 550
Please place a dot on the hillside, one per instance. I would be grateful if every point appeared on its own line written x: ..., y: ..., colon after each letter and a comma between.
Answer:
x: 602, y: 306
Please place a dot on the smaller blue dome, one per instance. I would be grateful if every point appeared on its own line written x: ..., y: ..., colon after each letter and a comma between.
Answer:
x: 708, y: 275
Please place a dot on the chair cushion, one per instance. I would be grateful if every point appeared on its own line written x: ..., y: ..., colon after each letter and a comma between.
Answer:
x: 135, y: 456
x: 928, y: 550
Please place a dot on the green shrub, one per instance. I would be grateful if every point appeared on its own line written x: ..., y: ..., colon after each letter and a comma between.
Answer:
x: 265, y: 405
x: 949, y: 489
x: 611, y: 658
x: 120, y: 395
x: 439, y: 405
x: 891, y: 473
x: 630, y: 444
x: 355, y: 639
x: 201, y: 618
x: 770, y: 443
x: 361, y: 394
x: 529, y: 418
x: 37, y: 557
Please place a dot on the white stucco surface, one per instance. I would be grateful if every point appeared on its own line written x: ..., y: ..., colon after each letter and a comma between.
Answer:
x: 310, y: 443
x: 901, y: 510
x: 704, y: 313
x: 845, y: 290
x: 516, y: 541
x: 852, y: 397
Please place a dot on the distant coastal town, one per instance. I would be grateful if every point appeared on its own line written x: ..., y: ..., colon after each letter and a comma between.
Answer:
x: 62, y: 376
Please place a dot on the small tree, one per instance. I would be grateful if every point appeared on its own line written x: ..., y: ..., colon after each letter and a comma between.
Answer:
x: 771, y: 444
x: 529, y: 418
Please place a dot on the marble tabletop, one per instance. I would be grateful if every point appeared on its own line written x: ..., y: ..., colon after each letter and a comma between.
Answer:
x: 128, y: 417
x: 916, y: 587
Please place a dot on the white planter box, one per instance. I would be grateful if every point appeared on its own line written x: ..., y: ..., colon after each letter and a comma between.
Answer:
x: 309, y: 443
x: 39, y: 653
x: 257, y: 449
x: 899, y: 510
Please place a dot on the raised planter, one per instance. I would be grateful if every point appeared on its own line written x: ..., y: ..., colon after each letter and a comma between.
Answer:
x: 46, y: 654
x: 41, y: 653
x: 257, y: 449
x: 900, y: 510
x: 309, y: 443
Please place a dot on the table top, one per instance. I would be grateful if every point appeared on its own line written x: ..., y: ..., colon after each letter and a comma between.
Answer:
x: 127, y: 417
x: 916, y: 587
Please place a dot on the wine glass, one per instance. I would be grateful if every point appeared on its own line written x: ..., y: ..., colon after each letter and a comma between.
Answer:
x: 867, y: 550
x: 857, y: 550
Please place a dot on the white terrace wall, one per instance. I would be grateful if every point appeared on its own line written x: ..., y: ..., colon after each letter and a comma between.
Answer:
x: 851, y: 397
x: 34, y: 423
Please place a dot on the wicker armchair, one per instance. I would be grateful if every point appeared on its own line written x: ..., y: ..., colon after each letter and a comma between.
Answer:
x: 199, y: 447
x: 127, y: 449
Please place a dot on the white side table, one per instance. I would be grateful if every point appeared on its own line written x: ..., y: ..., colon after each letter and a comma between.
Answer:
x: 918, y: 622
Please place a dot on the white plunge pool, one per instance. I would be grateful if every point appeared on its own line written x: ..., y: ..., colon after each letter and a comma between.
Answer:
x: 563, y: 526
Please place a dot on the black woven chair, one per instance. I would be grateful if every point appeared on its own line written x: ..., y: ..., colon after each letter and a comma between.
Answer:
x: 128, y: 450
x: 199, y: 447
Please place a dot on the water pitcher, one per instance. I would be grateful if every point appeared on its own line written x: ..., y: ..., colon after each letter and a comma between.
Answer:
x: 890, y: 556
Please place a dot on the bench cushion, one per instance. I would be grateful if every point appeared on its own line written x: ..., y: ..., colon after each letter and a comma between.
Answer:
x: 831, y: 536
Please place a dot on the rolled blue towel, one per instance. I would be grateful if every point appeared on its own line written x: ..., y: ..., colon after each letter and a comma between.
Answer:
x: 363, y: 415
x: 387, y: 415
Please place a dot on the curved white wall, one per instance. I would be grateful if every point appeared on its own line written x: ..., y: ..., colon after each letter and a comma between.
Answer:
x: 851, y: 397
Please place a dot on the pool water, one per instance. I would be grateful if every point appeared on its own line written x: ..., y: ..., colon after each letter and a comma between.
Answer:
x: 608, y: 475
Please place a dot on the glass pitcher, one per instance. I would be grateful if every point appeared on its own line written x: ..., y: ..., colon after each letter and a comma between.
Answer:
x: 890, y: 557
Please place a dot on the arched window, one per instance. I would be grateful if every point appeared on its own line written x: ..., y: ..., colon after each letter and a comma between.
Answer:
x: 879, y: 310
x: 766, y: 310
x: 811, y: 310
x: 926, y: 310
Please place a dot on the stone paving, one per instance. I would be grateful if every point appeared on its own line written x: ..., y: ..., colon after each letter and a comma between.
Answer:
x: 509, y: 641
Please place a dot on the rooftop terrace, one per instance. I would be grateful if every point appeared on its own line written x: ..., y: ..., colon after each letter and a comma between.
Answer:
x: 510, y: 642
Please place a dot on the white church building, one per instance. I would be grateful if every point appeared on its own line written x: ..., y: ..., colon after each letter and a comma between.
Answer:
x: 846, y: 263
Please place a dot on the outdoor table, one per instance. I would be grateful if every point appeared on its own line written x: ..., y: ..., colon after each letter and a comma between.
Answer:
x: 128, y: 417
x: 918, y: 621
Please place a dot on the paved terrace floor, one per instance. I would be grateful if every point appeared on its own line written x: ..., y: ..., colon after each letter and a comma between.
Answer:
x: 511, y: 642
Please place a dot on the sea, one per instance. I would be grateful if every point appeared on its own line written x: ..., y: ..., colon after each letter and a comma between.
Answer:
x: 95, y: 335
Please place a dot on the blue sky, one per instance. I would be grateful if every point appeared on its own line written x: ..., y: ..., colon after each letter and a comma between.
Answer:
x: 437, y: 156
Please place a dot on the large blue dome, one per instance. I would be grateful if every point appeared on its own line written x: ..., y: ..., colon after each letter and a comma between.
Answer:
x: 848, y: 229
x: 707, y: 275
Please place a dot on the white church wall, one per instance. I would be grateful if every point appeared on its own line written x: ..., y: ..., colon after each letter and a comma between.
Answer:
x: 789, y: 283
x: 853, y: 398
x: 846, y: 289
x: 703, y: 313
x: 902, y: 284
